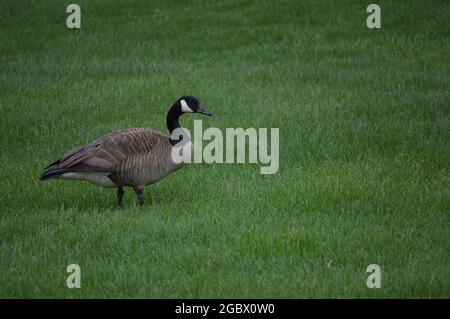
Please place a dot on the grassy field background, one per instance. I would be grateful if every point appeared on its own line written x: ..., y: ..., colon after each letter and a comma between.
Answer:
x: 364, y: 150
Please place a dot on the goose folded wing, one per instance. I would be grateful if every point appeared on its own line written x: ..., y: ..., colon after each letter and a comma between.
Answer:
x: 105, y: 153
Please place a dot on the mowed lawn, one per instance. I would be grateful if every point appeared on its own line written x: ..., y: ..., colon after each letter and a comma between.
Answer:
x: 364, y: 149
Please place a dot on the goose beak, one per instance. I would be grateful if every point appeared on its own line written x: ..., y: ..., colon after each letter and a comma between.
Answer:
x: 203, y: 111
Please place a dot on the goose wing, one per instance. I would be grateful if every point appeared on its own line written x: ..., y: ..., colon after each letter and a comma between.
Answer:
x: 103, y: 154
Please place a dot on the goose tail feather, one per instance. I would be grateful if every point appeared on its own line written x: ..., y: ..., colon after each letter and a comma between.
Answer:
x: 53, y: 172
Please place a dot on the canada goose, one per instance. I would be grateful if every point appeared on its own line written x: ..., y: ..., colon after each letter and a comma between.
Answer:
x: 133, y: 157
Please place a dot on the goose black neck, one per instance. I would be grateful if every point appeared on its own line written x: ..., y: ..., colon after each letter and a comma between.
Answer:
x: 172, y: 122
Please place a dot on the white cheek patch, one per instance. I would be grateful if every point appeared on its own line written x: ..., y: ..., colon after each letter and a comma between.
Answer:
x: 185, y: 108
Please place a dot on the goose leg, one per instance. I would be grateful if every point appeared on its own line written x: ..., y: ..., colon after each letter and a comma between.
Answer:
x: 120, y: 196
x: 140, y: 194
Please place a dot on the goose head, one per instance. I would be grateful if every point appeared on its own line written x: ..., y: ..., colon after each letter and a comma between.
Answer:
x: 185, y: 104
x: 190, y: 104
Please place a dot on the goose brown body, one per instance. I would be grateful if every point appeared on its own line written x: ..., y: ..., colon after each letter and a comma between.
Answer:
x: 132, y: 157
x: 149, y: 161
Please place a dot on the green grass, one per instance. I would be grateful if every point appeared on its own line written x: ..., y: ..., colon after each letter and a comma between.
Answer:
x: 364, y: 151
